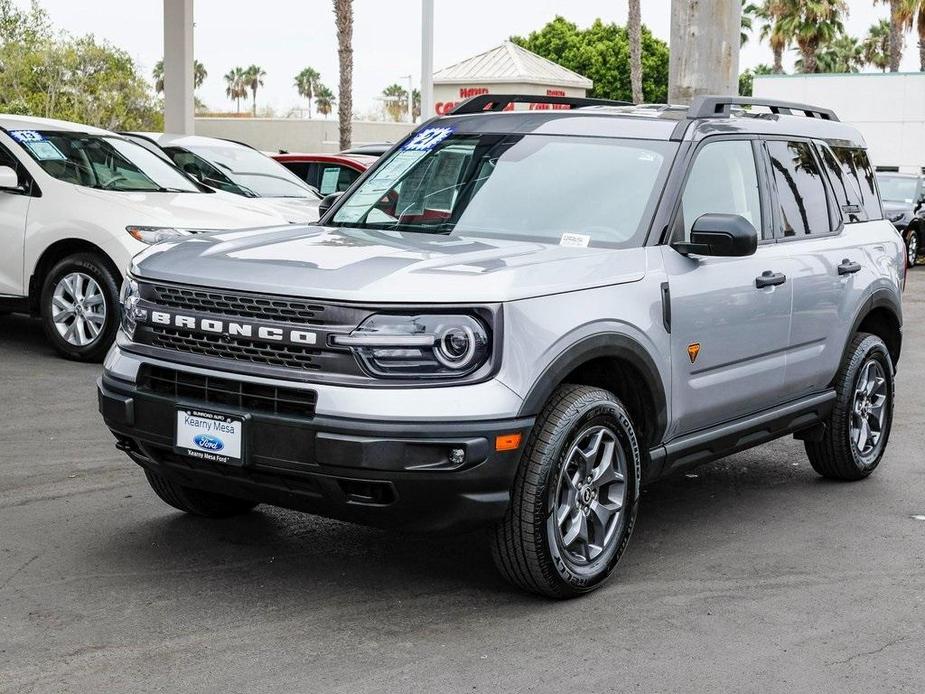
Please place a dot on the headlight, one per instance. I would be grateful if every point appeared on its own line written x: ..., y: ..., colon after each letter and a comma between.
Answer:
x: 422, y: 345
x: 151, y: 235
x: 128, y: 298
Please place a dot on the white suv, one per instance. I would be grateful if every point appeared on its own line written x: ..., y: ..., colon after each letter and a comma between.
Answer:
x: 76, y: 203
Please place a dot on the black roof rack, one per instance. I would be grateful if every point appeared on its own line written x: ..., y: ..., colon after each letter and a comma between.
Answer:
x: 719, y: 106
x: 498, y: 102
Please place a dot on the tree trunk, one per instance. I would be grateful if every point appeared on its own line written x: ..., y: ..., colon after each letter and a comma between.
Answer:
x: 896, y: 35
x: 808, y: 54
x: 634, y: 29
x: 921, y: 52
x: 343, y: 14
x: 704, y: 59
x: 778, y: 59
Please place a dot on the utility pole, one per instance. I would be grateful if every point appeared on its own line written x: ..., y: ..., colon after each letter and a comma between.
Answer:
x: 427, y: 59
x: 178, y: 67
x: 704, y: 46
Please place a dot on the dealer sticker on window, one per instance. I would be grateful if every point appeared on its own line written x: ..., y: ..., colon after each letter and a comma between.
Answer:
x: 427, y: 139
x: 574, y: 240
x: 215, y: 438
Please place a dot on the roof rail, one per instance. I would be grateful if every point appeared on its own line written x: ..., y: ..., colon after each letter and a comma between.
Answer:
x: 719, y: 106
x: 498, y: 102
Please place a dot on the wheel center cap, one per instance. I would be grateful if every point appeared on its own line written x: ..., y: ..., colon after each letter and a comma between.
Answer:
x: 587, y: 495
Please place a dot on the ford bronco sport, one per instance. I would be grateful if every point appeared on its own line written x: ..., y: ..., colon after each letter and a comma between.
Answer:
x: 515, y: 318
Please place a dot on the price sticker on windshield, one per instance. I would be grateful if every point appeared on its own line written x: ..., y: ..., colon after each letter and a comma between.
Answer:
x: 427, y: 139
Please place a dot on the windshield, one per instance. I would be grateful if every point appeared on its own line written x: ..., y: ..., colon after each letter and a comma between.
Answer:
x: 106, y: 162
x: 898, y: 188
x: 573, y: 191
x: 248, y: 170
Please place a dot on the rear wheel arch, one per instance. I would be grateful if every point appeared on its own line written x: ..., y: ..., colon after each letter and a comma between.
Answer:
x: 879, y: 316
x: 616, y: 363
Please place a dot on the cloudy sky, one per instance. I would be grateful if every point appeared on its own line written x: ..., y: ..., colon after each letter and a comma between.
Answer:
x: 283, y: 36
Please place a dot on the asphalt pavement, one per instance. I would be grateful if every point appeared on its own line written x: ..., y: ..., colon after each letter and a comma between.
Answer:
x: 749, y: 575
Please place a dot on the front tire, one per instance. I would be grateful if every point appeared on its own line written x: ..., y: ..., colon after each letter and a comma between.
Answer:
x: 80, y: 307
x: 575, y: 497
x: 197, y: 501
x: 858, y: 428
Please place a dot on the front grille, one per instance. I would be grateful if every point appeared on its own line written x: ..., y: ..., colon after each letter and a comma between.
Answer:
x: 252, y: 397
x: 226, y: 303
x: 227, y: 347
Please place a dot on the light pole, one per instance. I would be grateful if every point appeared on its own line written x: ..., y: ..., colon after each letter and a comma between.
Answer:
x: 704, y: 43
x: 427, y: 59
x: 410, y: 97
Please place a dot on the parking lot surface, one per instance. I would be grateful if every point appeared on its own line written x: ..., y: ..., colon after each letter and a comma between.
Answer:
x: 750, y: 574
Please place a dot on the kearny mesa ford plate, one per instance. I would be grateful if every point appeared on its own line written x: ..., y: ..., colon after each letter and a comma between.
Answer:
x: 209, y: 436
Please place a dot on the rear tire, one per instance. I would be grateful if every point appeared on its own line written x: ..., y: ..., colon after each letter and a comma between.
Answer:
x: 197, y: 501
x: 858, y: 428
x: 80, y: 307
x: 575, y: 497
x: 912, y: 247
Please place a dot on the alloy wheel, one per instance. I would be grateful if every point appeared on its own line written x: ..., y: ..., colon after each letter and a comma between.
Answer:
x: 912, y: 248
x: 78, y: 309
x: 868, y: 411
x: 590, y: 495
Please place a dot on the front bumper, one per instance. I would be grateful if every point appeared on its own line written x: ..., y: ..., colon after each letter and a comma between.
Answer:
x: 380, y: 473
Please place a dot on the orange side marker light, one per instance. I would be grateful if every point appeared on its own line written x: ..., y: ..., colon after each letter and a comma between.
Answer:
x: 507, y: 442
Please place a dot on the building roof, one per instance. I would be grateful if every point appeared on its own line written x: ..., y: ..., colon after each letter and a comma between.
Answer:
x: 510, y: 63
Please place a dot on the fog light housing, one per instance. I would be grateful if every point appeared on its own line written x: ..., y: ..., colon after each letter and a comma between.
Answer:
x: 457, y: 456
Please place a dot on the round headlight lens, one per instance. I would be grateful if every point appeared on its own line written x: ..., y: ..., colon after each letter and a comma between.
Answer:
x: 455, y: 347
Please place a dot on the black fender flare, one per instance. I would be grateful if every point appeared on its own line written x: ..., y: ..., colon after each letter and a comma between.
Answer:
x: 605, y: 344
x: 879, y: 298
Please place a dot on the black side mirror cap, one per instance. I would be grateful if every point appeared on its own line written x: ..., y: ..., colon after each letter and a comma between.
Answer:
x: 327, y: 202
x: 728, y: 235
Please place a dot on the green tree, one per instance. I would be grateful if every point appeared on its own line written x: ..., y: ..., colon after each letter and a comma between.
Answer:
x: 876, y: 45
x: 395, y: 98
x: 236, y: 85
x: 324, y: 100
x: 843, y: 54
x: 747, y: 78
x: 307, y: 83
x: 902, y: 14
x: 253, y: 78
x: 601, y: 53
x: 199, y: 75
x: 813, y: 24
x: 770, y: 13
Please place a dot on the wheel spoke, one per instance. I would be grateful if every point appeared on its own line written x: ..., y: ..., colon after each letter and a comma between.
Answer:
x: 578, y: 530
x: 862, y: 434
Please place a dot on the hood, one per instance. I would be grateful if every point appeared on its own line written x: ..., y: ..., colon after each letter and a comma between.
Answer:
x: 293, y: 210
x: 376, y: 266
x: 187, y: 210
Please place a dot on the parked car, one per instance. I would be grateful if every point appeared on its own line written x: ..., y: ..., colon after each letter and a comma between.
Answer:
x: 372, y: 149
x: 239, y: 169
x: 469, y: 340
x: 326, y: 173
x: 904, y: 205
x: 76, y: 203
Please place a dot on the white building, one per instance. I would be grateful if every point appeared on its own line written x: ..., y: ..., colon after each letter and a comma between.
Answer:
x: 507, y: 69
x: 888, y: 109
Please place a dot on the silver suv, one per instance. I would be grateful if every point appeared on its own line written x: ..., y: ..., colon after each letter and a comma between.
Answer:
x: 517, y: 318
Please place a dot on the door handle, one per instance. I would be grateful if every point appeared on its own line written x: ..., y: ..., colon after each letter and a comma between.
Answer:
x: 848, y: 267
x: 770, y: 279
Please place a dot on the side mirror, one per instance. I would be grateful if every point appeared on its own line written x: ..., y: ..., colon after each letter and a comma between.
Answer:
x: 728, y: 235
x: 9, y: 180
x: 327, y: 202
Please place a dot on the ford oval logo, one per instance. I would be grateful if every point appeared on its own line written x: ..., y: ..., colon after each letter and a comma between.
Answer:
x: 208, y: 443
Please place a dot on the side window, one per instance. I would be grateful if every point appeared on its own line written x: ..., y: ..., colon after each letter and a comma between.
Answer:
x: 300, y: 169
x: 804, y: 207
x: 722, y: 180
x: 347, y: 177
x: 845, y: 187
x: 857, y: 166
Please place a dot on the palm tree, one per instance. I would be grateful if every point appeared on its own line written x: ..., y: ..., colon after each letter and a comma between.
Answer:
x: 324, y: 100
x: 920, y: 27
x: 902, y: 13
x: 844, y: 54
x: 396, y: 101
x: 235, y: 85
x: 771, y: 13
x: 307, y: 83
x: 749, y: 11
x: 415, y: 104
x: 199, y: 75
x: 343, y: 19
x: 634, y: 31
x: 877, y: 45
x: 812, y: 23
x: 253, y: 78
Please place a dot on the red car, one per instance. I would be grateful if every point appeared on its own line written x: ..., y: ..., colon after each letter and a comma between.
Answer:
x: 327, y: 173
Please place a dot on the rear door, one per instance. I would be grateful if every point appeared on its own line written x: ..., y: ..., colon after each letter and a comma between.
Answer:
x: 823, y: 232
x: 728, y: 335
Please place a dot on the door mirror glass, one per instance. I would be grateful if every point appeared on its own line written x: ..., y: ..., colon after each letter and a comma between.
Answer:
x: 8, y: 179
x: 327, y: 202
x: 720, y: 235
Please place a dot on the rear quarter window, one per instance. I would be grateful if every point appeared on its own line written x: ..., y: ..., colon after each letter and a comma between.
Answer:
x: 857, y: 169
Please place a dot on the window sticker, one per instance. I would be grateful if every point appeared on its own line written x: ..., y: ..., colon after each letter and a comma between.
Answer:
x: 26, y: 136
x: 329, y: 180
x: 574, y: 240
x: 45, y: 151
x: 427, y: 139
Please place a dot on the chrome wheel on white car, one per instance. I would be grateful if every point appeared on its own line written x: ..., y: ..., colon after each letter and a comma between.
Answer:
x: 80, y: 306
x: 79, y: 309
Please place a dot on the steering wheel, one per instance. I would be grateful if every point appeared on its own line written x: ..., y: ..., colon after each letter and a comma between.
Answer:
x: 108, y: 184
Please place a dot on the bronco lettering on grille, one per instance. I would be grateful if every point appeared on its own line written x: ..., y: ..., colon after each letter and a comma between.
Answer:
x: 234, y: 328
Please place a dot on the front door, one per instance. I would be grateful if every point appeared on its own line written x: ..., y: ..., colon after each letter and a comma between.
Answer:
x: 730, y: 317
x: 14, y: 207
